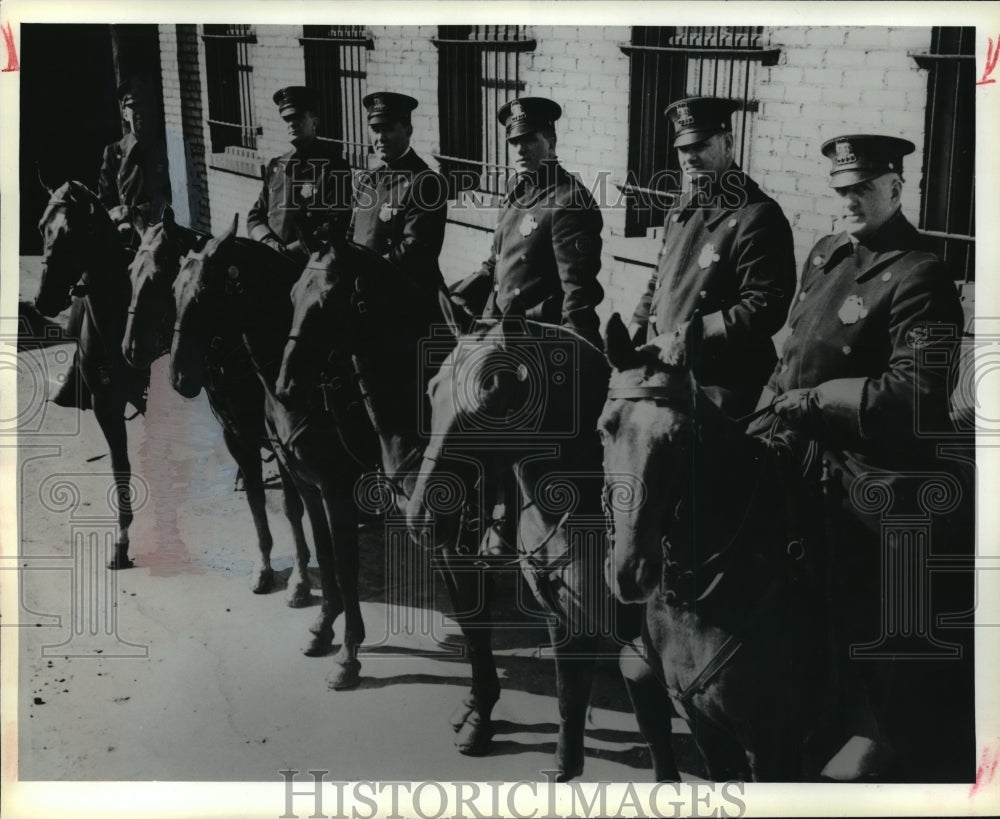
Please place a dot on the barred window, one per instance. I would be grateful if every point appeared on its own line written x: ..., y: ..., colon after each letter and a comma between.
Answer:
x: 668, y: 63
x: 948, y: 195
x: 336, y: 61
x: 232, y: 119
x: 478, y: 71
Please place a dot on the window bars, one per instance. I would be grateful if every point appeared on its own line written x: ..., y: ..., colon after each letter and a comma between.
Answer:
x: 478, y: 71
x: 231, y: 115
x: 948, y: 195
x: 336, y: 62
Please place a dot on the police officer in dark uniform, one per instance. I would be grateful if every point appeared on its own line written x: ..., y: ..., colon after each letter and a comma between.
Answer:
x: 133, y: 183
x: 400, y: 207
x: 727, y: 253
x: 546, y: 253
x: 874, y: 312
x: 134, y: 186
x: 547, y: 246
x: 306, y: 191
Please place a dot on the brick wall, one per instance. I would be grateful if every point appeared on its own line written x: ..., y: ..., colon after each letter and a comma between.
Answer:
x: 828, y: 81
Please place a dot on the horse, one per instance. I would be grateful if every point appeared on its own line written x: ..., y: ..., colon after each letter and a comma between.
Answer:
x: 236, y: 292
x: 528, y: 394
x: 235, y: 394
x: 83, y: 259
x: 708, y: 539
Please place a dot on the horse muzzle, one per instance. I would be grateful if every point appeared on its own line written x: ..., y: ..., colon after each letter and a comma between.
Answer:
x: 51, y: 305
x: 632, y: 579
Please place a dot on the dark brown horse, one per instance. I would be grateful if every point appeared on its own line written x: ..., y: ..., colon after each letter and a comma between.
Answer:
x: 703, y: 532
x: 234, y: 391
x: 527, y: 395
x: 237, y: 289
x: 84, y: 259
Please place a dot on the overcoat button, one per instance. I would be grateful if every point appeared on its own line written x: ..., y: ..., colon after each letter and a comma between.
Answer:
x: 886, y: 276
x: 517, y: 291
x: 802, y: 296
x: 846, y: 350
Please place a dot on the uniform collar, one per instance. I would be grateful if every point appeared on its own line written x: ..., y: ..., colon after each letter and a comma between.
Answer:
x: 402, y: 162
x: 894, y: 239
x: 529, y: 187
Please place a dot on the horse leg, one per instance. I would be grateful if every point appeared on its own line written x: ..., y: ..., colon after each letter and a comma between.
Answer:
x: 473, y: 720
x: 650, y: 703
x: 110, y: 417
x: 322, y: 629
x: 725, y: 759
x: 574, y: 679
x: 300, y: 594
x: 342, y: 518
x: 247, y: 457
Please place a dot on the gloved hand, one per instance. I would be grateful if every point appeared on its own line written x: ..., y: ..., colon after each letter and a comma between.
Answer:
x: 796, y: 407
x: 273, y: 242
x: 119, y: 213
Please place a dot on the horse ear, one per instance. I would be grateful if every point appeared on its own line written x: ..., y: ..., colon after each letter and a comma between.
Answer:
x: 169, y: 220
x: 47, y: 183
x: 458, y: 320
x: 618, y: 346
x: 229, y: 234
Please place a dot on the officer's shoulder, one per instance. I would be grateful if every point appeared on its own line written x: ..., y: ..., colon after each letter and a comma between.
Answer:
x: 570, y: 190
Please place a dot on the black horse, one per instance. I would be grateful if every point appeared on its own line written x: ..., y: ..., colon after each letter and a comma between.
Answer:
x: 84, y: 260
x: 234, y: 392
x: 705, y: 533
x: 234, y: 294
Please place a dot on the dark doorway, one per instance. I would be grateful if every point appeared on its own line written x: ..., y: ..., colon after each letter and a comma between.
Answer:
x: 69, y: 103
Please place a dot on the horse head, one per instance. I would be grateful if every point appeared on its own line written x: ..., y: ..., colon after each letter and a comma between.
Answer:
x: 76, y: 232
x: 347, y: 301
x: 503, y: 387
x: 647, y: 428
x: 198, y: 291
x: 153, y: 271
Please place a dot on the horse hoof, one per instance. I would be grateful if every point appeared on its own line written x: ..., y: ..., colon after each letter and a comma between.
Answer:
x: 568, y: 768
x: 346, y: 675
x: 264, y: 582
x: 461, y: 714
x: 120, y: 562
x: 475, y: 737
x: 300, y: 597
x: 319, y: 646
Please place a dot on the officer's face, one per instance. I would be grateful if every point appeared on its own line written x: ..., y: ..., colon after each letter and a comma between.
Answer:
x: 133, y: 117
x: 710, y: 157
x: 869, y: 205
x: 389, y: 139
x: 531, y: 150
x: 302, y: 126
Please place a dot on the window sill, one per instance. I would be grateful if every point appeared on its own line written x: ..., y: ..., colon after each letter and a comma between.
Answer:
x: 239, y: 161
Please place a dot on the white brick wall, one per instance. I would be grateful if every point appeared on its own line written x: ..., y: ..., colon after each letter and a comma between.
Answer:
x: 828, y: 81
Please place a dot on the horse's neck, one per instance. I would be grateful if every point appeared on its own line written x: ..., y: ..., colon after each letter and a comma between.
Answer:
x: 265, y: 323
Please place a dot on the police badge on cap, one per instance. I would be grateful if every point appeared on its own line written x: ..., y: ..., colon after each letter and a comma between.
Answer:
x: 697, y: 118
x: 527, y: 115
x: 856, y: 158
x: 388, y: 106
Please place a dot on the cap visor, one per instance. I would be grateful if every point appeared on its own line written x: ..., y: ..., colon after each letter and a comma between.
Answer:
x: 691, y: 137
x: 845, y: 179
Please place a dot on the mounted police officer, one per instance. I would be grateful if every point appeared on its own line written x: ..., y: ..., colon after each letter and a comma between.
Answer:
x: 727, y: 254
x: 400, y: 207
x: 133, y: 183
x: 546, y: 254
x: 306, y: 191
x: 134, y: 186
x: 547, y: 246
x: 864, y: 376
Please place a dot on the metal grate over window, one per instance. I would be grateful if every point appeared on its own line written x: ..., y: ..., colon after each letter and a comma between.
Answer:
x: 667, y: 64
x: 478, y: 71
x: 336, y: 63
x: 231, y: 116
x: 948, y: 195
